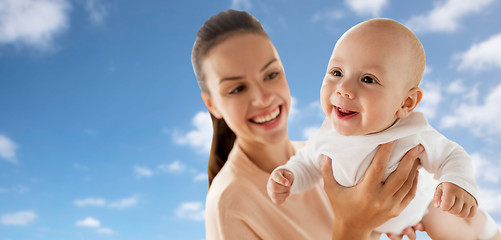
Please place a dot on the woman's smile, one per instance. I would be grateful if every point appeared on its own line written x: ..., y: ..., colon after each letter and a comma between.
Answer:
x: 269, y: 118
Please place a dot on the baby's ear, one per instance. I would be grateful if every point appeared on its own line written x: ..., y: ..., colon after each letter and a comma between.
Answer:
x: 414, y: 96
x: 210, y: 105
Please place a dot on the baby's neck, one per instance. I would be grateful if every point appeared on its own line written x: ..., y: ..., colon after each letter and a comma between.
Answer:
x: 378, y: 131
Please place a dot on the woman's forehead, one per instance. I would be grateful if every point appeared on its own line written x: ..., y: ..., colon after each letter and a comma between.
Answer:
x: 239, y: 54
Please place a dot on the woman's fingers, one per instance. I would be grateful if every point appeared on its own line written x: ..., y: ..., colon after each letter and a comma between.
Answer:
x: 410, y: 233
x: 410, y: 194
x: 375, y: 172
x: 328, y: 176
x: 404, y: 171
x: 418, y: 227
x: 408, y: 184
x: 394, y: 236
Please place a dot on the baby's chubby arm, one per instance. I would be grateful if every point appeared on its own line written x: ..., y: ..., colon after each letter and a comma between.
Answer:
x: 279, y: 185
x: 453, y: 199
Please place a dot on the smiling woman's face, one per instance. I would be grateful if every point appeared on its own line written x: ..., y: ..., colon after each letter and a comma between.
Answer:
x: 247, y: 87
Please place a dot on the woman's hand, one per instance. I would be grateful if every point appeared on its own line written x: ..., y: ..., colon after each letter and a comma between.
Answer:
x: 409, y: 232
x: 361, y: 208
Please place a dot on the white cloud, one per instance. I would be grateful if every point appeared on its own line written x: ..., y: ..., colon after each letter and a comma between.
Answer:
x: 124, y: 203
x: 490, y: 199
x: 484, y: 169
x: 482, y: 55
x: 309, y: 131
x: 481, y: 119
x: 100, y: 202
x: 91, y: 222
x: 191, y: 210
x: 32, y: 23
x: 200, y: 177
x: 96, y: 9
x: 200, y: 138
x: 241, y: 4
x: 431, y: 99
x: 174, y: 167
x: 294, y: 111
x: 456, y: 87
x: 427, y: 70
x: 446, y: 15
x: 105, y: 231
x: 7, y: 149
x: 328, y: 15
x: 21, y: 218
x: 142, y: 171
x: 367, y: 7
x: 88, y: 222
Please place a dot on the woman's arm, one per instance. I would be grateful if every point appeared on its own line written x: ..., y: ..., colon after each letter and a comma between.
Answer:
x: 360, y: 209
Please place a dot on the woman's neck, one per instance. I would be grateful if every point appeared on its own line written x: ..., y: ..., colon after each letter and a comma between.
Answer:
x: 267, y: 156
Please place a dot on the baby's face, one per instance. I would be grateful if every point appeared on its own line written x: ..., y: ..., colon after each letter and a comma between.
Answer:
x: 365, y: 84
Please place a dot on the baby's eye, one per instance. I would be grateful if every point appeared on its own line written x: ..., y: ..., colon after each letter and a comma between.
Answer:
x: 337, y: 73
x: 237, y: 90
x: 368, y: 79
x: 271, y: 76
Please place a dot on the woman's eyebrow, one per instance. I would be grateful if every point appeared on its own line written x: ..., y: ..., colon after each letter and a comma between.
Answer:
x: 230, y: 78
x: 268, y: 64
x: 241, y: 77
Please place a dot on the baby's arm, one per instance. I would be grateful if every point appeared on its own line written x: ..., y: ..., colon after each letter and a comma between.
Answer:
x: 453, y: 199
x: 452, y: 166
x: 279, y: 185
x: 300, y: 173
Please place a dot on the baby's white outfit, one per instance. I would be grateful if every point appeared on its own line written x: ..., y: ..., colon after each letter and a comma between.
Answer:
x: 351, y: 156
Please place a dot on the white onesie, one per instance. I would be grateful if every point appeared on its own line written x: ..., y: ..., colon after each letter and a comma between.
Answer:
x: 351, y: 156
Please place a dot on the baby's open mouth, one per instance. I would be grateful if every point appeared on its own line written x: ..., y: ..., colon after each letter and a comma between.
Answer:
x: 268, y: 118
x: 344, y: 112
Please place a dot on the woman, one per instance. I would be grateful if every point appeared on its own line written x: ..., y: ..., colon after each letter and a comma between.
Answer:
x: 244, y: 88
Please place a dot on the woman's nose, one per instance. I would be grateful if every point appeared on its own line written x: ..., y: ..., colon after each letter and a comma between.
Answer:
x: 262, y: 96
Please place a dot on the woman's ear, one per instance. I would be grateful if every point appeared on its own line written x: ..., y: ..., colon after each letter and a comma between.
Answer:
x: 210, y: 105
x: 413, y: 99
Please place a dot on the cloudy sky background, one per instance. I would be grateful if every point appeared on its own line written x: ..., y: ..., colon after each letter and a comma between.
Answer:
x: 103, y: 134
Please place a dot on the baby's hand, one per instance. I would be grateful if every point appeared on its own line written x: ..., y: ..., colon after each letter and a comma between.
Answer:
x: 279, y: 185
x: 455, y: 200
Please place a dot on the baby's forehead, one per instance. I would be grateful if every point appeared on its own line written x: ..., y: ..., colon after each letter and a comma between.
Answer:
x: 384, y: 42
x: 389, y: 31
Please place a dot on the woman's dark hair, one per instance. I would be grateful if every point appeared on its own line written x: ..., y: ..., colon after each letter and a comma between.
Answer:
x: 215, y: 30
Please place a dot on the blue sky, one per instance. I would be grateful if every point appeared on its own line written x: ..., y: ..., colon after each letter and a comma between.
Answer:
x: 103, y: 134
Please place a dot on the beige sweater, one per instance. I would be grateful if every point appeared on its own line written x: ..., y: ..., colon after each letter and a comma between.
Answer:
x: 238, y: 207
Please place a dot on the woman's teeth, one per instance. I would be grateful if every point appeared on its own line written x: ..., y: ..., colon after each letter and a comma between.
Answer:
x: 268, y: 117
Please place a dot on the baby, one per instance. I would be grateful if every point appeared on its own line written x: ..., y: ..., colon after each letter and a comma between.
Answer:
x: 368, y: 96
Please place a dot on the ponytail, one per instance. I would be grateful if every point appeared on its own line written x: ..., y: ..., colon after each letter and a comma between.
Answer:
x: 222, y: 143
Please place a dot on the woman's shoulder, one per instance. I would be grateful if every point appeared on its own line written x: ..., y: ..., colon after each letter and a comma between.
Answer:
x: 226, y: 185
x: 224, y: 199
x: 298, y: 144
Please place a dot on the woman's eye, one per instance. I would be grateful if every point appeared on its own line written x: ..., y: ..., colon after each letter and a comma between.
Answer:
x: 368, y: 79
x: 271, y: 76
x: 237, y: 90
x: 337, y: 73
